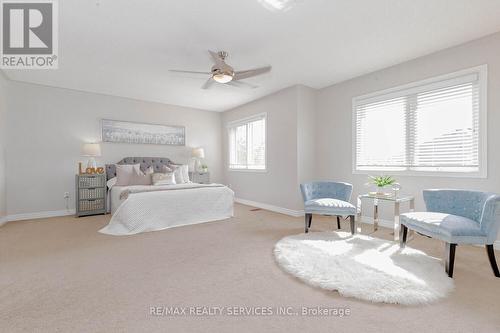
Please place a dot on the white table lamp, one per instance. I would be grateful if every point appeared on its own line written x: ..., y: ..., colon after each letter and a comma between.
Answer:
x: 197, y: 154
x: 91, y: 150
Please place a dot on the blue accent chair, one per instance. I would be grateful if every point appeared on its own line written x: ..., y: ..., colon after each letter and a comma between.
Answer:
x: 328, y: 198
x: 457, y: 217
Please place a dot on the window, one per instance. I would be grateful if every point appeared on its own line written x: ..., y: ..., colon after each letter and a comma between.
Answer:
x: 247, y: 143
x: 433, y: 127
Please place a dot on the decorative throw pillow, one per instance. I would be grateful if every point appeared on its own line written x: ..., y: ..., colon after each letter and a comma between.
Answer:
x: 112, y: 182
x: 177, y: 174
x: 124, y: 173
x: 141, y: 178
x: 163, y: 178
x: 181, y: 172
x: 185, y: 173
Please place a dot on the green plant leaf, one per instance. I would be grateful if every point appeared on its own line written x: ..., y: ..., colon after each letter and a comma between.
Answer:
x: 382, y: 180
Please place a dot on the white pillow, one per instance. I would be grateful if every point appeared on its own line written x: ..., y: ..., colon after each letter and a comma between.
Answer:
x: 110, y: 183
x: 163, y: 178
x: 181, y: 173
x: 185, y: 173
x: 178, y: 174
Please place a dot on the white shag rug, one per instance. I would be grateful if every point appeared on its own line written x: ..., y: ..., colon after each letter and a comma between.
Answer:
x: 364, y: 267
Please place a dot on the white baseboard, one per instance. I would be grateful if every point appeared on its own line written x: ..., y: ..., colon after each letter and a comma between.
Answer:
x: 39, y: 215
x: 295, y: 213
x: 272, y: 208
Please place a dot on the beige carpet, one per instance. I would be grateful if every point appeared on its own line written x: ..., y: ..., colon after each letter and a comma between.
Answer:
x: 61, y: 275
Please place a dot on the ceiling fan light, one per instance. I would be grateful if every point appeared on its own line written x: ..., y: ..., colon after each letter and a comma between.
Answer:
x: 222, y: 77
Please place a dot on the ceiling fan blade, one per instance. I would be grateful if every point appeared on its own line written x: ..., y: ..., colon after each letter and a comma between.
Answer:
x: 238, y: 75
x: 215, y: 57
x: 241, y: 84
x: 187, y: 72
x: 208, y: 83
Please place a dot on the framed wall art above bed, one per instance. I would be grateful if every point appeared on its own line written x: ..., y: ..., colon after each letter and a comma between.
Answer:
x: 142, y: 133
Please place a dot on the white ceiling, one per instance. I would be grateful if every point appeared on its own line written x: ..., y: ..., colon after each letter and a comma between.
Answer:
x: 125, y: 47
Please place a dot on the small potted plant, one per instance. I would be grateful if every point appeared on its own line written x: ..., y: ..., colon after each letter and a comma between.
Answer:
x: 204, y: 168
x: 382, y: 182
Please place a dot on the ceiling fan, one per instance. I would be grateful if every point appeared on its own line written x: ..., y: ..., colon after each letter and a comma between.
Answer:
x: 221, y: 72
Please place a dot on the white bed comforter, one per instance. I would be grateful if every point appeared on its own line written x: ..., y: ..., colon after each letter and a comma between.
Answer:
x: 151, y: 208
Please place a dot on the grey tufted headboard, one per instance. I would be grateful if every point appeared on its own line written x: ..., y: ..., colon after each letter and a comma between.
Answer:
x: 156, y: 162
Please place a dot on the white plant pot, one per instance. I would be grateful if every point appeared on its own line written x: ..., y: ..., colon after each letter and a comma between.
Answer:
x: 384, y: 190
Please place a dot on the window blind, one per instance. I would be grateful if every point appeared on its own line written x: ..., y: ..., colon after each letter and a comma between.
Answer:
x: 431, y: 127
x: 381, y: 133
x: 247, y: 143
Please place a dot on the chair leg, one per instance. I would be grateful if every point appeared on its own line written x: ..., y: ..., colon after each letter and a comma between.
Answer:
x: 338, y: 222
x: 450, y: 258
x: 308, y: 220
x: 493, y: 262
x: 403, y: 234
x: 353, y: 224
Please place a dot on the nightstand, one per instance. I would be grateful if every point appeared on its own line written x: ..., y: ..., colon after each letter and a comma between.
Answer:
x: 200, y: 177
x: 90, y: 194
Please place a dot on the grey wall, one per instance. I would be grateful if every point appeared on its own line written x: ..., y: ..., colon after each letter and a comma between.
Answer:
x: 275, y: 186
x: 309, y: 135
x: 310, y: 131
x: 335, y: 116
x: 47, y: 127
x: 306, y: 134
x: 290, y: 137
x: 3, y: 116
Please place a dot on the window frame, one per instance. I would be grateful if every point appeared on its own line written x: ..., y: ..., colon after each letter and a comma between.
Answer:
x: 402, y: 90
x: 244, y: 121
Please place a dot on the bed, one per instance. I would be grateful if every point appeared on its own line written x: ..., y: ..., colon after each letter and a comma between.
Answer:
x: 143, y: 208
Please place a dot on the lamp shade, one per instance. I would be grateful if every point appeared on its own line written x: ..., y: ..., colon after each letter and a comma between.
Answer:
x: 198, y: 153
x: 91, y: 149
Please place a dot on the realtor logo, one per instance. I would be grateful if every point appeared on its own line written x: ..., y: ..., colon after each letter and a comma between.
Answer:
x: 29, y: 34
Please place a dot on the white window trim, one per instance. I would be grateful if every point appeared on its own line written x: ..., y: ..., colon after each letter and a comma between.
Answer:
x: 243, y: 121
x: 482, y: 72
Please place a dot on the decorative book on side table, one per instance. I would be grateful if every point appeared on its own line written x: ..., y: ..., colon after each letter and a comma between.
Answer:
x: 90, y: 194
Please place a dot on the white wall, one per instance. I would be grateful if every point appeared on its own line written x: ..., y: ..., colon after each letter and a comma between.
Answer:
x: 47, y: 126
x: 334, y: 116
x: 290, y: 148
x: 3, y: 115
